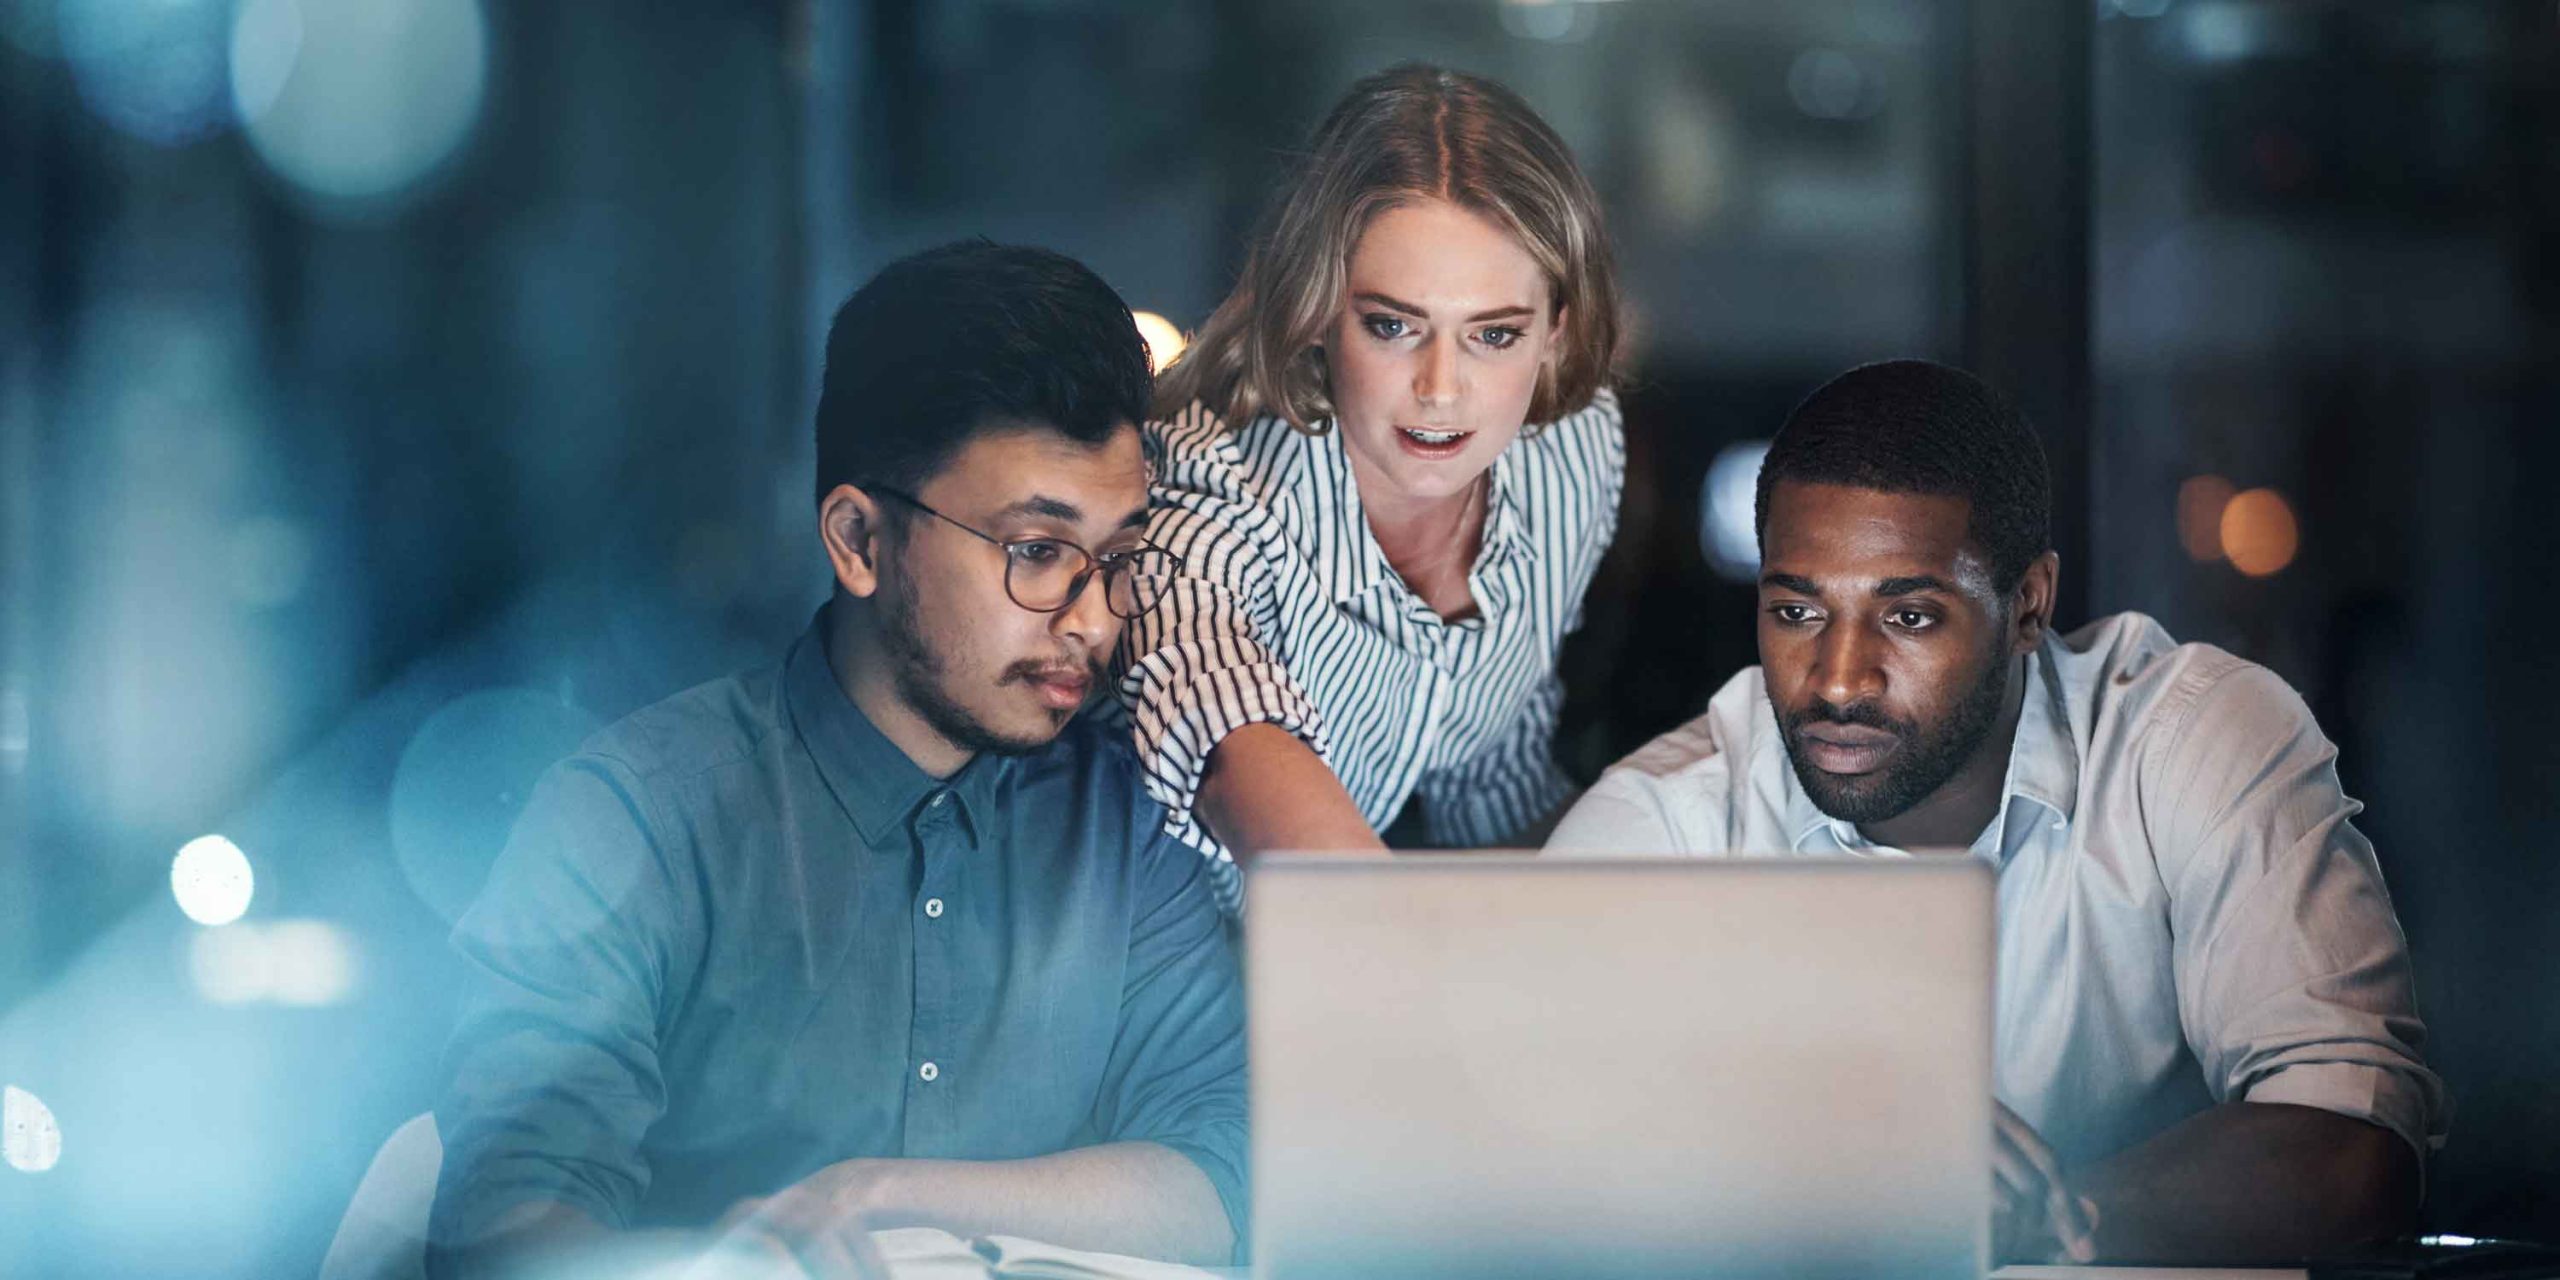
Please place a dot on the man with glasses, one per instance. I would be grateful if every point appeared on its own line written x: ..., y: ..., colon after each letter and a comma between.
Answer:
x: 878, y: 936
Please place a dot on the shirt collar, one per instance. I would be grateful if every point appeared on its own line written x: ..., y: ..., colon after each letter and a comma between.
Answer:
x: 2044, y: 769
x: 880, y: 788
x: 1342, y: 524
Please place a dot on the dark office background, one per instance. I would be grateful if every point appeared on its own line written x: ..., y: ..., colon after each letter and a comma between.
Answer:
x: 393, y: 390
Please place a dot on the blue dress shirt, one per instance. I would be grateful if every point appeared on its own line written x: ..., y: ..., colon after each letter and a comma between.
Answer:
x: 740, y: 936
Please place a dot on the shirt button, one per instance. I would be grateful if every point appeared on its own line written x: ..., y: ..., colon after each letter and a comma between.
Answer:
x: 932, y: 911
x: 930, y: 1072
x: 939, y: 797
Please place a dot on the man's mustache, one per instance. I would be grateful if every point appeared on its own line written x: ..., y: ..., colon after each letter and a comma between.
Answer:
x: 1866, y: 714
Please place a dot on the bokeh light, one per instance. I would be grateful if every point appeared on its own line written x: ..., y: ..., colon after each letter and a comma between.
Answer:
x: 358, y: 100
x: 2200, y: 503
x: 1164, y: 340
x: 306, y: 963
x: 1727, y: 532
x: 212, y: 880
x: 29, y: 1139
x: 153, y: 69
x: 1828, y: 84
x: 2259, y: 534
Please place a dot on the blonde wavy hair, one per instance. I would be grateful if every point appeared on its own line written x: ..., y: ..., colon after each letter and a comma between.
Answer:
x: 1411, y: 132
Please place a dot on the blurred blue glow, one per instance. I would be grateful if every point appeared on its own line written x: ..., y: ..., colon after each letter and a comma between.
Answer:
x: 154, y: 69
x: 1727, y: 530
x: 463, y: 778
x: 358, y: 100
x: 212, y: 881
x: 269, y: 561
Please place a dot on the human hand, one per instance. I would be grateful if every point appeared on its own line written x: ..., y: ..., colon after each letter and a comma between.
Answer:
x: 2035, y: 1216
x: 815, y: 1228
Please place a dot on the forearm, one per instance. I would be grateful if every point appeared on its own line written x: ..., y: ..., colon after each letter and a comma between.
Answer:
x: 1264, y: 790
x: 552, y: 1241
x: 2253, y: 1182
x: 1137, y: 1198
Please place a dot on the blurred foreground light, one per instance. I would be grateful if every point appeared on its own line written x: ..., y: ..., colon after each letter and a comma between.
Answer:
x: 2200, y: 503
x: 358, y: 100
x: 29, y: 1139
x: 1728, y: 530
x: 212, y: 881
x: 1164, y: 341
x: 153, y: 69
x: 462, y: 780
x: 306, y: 963
x: 2259, y: 535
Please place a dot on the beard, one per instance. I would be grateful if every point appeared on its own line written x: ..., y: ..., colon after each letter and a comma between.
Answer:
x: 1928, y: 756
x: 921, y: 678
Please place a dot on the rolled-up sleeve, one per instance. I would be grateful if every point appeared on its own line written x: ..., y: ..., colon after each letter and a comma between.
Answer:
x: 1201, y: 664
x: 552, y: 1074
x: 1176, y: 1075
x: 2293, y: 977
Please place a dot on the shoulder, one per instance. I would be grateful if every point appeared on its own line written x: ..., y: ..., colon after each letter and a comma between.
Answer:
x: 1592, y: 439
x: 716, y: 723
x: 1679, y: 793
x: 1714, y: 741
x: 2187, y: 712
x: 1196, y: 446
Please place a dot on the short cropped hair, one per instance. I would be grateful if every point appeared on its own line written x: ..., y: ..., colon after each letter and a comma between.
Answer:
x: 1910, y: 426
x: 966, y: 338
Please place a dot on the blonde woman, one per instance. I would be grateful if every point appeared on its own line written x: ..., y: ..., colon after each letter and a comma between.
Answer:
x: 1389, y: 464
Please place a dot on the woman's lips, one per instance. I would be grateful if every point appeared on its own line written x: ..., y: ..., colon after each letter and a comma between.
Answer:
x: 1432, y: 444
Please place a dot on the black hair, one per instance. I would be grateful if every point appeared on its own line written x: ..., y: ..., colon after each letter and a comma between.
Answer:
x: 965, y: 338
x: 1910, y: 426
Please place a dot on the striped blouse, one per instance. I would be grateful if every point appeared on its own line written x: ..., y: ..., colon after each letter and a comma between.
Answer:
x: 1287, y: 612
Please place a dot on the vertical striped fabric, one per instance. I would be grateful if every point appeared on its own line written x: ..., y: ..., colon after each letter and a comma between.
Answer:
x: 1287, y: 612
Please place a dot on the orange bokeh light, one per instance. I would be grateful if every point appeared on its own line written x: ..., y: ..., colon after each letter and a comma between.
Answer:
x: 2259, y: 533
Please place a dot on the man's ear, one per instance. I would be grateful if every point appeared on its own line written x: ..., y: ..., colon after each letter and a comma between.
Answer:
x: 849, y: 528
x: 2038, y: 589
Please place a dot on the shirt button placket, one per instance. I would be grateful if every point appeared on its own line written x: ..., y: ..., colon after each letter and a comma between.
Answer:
x: 927, y: 1121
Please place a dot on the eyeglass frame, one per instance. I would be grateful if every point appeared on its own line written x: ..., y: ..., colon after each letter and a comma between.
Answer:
x: 1102, y: 563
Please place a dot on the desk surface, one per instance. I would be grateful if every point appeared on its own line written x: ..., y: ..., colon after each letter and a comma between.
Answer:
x: 2032, y: 1273
x: 2140, y: 1273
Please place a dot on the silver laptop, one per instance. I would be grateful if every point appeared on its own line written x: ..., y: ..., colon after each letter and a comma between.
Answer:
x: 1493, y: 1066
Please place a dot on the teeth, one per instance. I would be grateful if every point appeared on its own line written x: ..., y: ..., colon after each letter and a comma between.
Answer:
x: 1434, y: 437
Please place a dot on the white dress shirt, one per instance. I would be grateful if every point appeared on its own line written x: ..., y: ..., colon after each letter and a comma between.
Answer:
x: 2187, y: 915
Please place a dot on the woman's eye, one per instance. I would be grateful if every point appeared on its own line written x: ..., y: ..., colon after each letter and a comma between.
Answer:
x: 1499, y: 338
x: 1388, y: 327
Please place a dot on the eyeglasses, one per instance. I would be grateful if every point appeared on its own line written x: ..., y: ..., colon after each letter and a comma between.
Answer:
x: 1045, y: 575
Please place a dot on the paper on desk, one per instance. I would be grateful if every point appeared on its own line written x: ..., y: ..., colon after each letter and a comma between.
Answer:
x: 928, y: 1253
